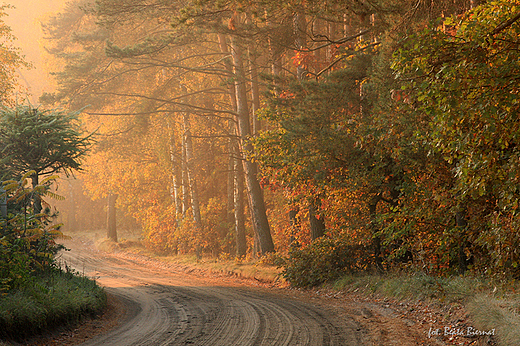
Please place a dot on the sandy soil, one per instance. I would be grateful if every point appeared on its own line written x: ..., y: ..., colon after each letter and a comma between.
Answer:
x: 153, y: 303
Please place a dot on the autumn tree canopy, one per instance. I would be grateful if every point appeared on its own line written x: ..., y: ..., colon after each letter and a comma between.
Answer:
x: 10, y: 59
x: 387, y: 128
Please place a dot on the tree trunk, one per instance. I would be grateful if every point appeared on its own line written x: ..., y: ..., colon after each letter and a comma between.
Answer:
x: 37, y: 200
x: 376, y: 239
x: 255, y: 90
x: 71, y: 217
x: 300, y: 27
x: 195, y: 206
x: 295, y: 223
x: 258, y: 211
x: 317, y: 221
x: 184, y: 179
x: 230, y: 207
x: 175, y: 175
x: 462, y: 261
x: 275, y: 50
x: 111, y: 219
x: 240, y: 228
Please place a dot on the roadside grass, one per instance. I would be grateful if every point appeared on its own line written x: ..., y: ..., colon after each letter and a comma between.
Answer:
x: 415, y: 286
x: 57, y: 299
x: 501, y: 313
x: 491, y: 305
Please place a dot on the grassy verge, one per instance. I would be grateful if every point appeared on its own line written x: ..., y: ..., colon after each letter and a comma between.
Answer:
x: 490, y: 305
x: 54, y: 300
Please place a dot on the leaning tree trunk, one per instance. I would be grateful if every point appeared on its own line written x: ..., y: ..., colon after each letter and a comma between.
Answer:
x: 111, y: 218
x: 258, y: 210
x: 236, y: 203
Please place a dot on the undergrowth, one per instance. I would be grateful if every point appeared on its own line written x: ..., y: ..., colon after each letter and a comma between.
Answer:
x: 56, y: 299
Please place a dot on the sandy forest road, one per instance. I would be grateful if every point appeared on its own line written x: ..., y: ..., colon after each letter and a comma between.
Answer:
x: 167, y: 306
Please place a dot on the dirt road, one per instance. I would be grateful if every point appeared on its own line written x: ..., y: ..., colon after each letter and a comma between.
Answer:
x: 167, y: 306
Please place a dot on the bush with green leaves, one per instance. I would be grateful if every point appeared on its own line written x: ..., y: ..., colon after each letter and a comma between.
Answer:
x: 324, y: 260
x: 27, y: 240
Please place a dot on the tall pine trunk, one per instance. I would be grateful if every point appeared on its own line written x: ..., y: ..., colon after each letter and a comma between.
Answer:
x: 176, y: 194
x: 240, y: 232
x: 184, y: 180
x: 195, y: 206
x: 235, y: 188
x: 258, y: 210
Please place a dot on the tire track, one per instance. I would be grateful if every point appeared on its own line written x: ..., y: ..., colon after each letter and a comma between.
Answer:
x: 169, y: 307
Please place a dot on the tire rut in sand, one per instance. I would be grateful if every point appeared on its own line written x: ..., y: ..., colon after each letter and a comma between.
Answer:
x: 169, y: 307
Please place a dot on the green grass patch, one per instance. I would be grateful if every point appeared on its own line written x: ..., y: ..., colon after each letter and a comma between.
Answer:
x: 54, y: 300
x: 415, y: 286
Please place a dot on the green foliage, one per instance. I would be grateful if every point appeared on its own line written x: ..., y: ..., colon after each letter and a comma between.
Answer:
x: 55, y: 299
x: 42, y: 141
x: 459, y: 75
x: 27, y: 240
x: 324, y: 260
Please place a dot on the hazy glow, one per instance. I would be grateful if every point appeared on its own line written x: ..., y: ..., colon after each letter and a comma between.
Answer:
x: 25, y: 19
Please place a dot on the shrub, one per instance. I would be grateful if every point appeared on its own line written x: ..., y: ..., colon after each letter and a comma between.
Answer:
x: 324, y: 260
x: 27, y: 240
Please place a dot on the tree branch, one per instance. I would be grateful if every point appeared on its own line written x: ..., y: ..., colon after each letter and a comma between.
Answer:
x: 506, y: 24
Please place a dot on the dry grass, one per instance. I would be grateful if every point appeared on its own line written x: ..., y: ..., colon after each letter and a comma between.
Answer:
x: 489, y: 313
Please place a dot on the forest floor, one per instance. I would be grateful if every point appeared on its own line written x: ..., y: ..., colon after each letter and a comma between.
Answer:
x: 159, y: 302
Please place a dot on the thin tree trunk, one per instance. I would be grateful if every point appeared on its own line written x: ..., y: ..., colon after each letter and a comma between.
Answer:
x: 71, y: 217
x: 190, y: 175
x: 295, y: 223
x: 111, y: 218
x: 37, y: 200
x: 462, y: 224
x: 275, y: 50
x: 184, y: 178
x: 175, y: 174
x: 317, y: 223
x: 255, y: 93
x: 240, y: 229
x: 258, y: 210
x: 300, y: 27
x: 376, y: 239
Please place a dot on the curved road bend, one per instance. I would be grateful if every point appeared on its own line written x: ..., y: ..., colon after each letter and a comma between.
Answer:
x: 166, y: 306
